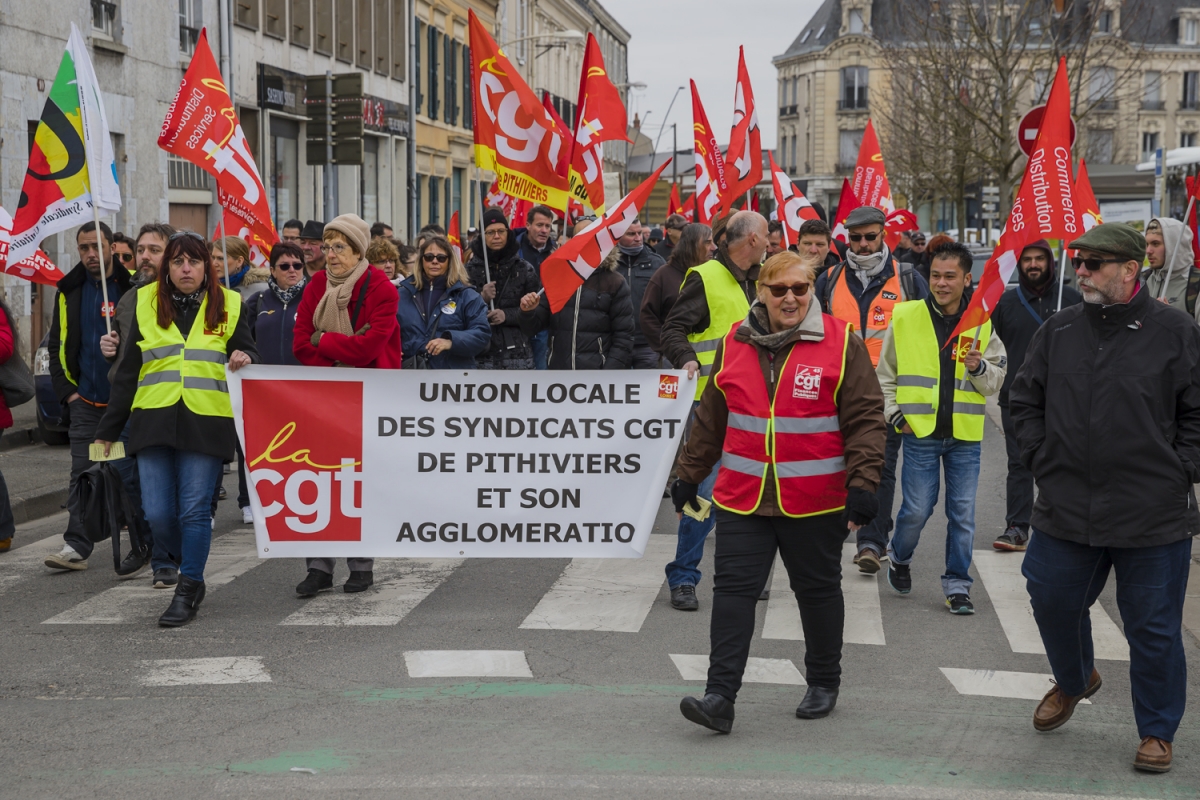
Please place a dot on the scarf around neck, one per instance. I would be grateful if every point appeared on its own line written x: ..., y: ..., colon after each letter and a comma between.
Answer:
x: 187, y: 302
x: 286, y: 296
x: 867, y: 267
x: 760, y: 326
x: 332, y: 314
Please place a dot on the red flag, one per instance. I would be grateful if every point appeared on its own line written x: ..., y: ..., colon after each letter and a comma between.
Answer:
x: 569, y: 266
x: 1193, y: 189
x: 260, y: 251
x: 754, y: 202
x: 514, y: 136
x: 899, y: 221
x: 846, y: 203
x: 453, y: 236
x: 1085, y: 198
x: 564, y: 162
x: 870, y: 176
x: 37, y: 268
x: 202, y: 127
x: 674, y: 204
x: 711, y: 188
x: 790, y: 204
x: 498, y: 199
x: 745, y: 141
x: 520, y: 214
x: 601, y: 118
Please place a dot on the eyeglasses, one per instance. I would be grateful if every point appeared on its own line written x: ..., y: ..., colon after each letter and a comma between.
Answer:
x: 192, y: 234
x: 1094, y: 264
x: 126, y: 257
x: 431, y: 258
x: 858, y: 237
x: 338, y: 248
x: 798, y: 290
x: 495, y: 233
x: 289, y: 265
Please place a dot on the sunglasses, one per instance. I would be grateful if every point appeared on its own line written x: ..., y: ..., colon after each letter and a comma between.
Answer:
x: 126, y: 257
x: 179, y: 234
x: 858, y: 237
x: 289, y: 265
x: 798, y: 290
x: 435, y: 258
x: 1094, y: 264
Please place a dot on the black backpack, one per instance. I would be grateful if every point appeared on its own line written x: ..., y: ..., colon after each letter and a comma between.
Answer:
x: 105, y: 507
x: 908, y: 284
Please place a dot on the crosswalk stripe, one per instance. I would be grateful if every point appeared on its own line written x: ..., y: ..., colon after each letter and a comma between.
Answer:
x: 193, y: 671
x: 137, y: 601
x: 1001, y: 575
x: 758, y: 670
x: 864, y: 616
x: 400, y: 584
x: 994, y: 683
x: 27, y: 561
x: 467, y: 664
x: 605, y: 594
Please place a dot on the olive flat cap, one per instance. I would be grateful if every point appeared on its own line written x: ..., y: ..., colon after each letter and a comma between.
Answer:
x: 865, y: 215
x: 1113, y: 238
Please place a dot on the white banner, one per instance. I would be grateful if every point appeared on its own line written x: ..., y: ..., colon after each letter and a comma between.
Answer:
x: 450, y: 464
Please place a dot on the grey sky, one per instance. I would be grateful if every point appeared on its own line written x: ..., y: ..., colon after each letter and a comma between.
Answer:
x: 698, y: 39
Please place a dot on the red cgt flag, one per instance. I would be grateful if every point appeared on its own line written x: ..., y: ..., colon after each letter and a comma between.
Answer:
x: 601, y: 118
x: 569, y: 266
x: 897, y: 222
x: 202, y: 127
x: 790, y: 203
x: 674, y: 204
x: 1193, y: 189
x: 745, y: 141
x: 514, y: 136
x: 564, y: 162
x: 454, y: 236
x: 37, y: 268
x: 870, y: 176
x: 1054, y: 207
x: 711, y: 188
x: 689, y: 208
x: 847, y: 202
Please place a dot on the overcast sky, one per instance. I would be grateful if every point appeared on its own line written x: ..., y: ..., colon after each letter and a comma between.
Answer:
x: 698, y: 39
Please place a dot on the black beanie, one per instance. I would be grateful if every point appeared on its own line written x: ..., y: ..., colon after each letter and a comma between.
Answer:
x: 493, y: 216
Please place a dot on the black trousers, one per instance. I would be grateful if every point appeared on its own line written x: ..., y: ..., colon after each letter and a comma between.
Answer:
x: 1019, y: 496
x: 812, y: 553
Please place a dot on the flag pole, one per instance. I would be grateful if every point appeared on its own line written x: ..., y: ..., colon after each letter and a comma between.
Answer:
x: 100, y: 251
x: 487, y: 272
x: 224, y: 248
x: 1175, y: 249
x: 1062, y: 272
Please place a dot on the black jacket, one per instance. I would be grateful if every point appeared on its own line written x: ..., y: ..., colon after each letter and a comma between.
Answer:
x: 1107, y: 413
x: 271, y: 324
x: 71, y: 288
x: 514, y: 278
x: 1016, y: 326
x: 594, y: 330
x: 689, y: 314
x: 176, y: 426
x: 637, y: 272
x: 531, y: 254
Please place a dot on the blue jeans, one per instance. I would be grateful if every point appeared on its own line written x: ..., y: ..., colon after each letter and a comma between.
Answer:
x: 919, y: 481
x: 1064, y: 579
x: 875, y: 534
x: 690, y: 548
x: 177, y: 488
x: 540, y: 344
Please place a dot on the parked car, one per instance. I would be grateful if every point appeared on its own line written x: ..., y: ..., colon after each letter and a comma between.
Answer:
x: 50, y: 420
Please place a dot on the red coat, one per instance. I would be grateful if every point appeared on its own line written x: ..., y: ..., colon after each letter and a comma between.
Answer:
x: 6, y: 352
x: 378, y: 348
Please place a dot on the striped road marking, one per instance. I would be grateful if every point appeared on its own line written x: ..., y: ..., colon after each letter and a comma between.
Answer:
x: 992, y: 683
x: 400, y: 584
x: 864, y: 617
x: 758, y: 670
x: 192, y: 671
x: 467, y: 664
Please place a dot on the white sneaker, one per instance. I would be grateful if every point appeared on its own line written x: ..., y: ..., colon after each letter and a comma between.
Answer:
x: 247, y: 516
x: 66, y: 559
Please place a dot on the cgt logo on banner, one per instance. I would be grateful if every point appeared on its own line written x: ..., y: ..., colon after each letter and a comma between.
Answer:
x: 305, y: 466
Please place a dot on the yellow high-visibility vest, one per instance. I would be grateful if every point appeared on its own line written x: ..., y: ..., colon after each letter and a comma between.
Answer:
x: 727, y: 304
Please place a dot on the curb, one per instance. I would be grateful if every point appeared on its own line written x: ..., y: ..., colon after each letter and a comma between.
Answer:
x: 20, y: 437
x: 34, y: 507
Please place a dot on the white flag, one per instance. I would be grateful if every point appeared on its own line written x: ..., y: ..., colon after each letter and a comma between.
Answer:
x: 97, y: 143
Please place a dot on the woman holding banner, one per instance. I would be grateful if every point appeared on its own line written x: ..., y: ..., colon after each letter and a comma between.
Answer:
x: 347, y: 318
x: 798, y: 376
x: 170, y: 385
x: 443, y: 321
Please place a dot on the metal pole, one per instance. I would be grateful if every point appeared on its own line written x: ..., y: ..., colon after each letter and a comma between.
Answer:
x: 1175, y: 249
x: 1062, y: 273
x: 674, y: 160
x: 225, y: 249
x: 412, y: 125
x: 487, y: 271
x: 103, y: 275
x: 328, y: 172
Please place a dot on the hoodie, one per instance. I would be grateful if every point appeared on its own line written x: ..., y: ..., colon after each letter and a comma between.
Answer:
x: 1177, y: 239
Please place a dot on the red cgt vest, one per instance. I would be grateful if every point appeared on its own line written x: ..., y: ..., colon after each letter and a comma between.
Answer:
x: 797, y: 434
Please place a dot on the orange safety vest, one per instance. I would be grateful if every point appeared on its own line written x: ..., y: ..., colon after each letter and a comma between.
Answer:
x: 796, y: 434
x: 845, y: 307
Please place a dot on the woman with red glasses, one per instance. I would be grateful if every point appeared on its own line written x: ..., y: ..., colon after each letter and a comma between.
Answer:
x: 443, y: 321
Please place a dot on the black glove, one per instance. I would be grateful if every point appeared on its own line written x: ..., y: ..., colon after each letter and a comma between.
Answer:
x: 683, y: 493
x: 861, y: 506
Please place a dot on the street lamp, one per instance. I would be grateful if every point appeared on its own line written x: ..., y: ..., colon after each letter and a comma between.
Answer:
x: 564, y: 37
x: 663, y: 128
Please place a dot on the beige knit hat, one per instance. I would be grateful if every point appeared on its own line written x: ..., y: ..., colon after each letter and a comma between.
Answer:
x: 356, y: 231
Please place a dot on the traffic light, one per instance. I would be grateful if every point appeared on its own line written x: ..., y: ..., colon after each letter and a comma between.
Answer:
x: 316, y: 104
x: 348, y: 118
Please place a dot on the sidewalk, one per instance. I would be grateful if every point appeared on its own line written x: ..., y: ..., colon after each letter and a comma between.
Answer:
x: 37, y: 475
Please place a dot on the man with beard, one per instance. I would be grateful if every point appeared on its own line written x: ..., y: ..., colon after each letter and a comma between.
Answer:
x: 1016, y: 319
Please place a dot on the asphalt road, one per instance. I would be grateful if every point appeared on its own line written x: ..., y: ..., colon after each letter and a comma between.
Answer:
x: 324, y: 698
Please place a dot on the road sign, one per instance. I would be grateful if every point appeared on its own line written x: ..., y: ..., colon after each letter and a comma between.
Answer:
x: 1027, y: 129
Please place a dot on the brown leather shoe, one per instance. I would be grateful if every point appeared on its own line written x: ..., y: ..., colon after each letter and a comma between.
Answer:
x: 1153, y: 755
x: 868, y: 561
x: 1057, y: 707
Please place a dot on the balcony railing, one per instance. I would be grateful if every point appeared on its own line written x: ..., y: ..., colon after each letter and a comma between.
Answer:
x: 183, y: 174
x: 1153, y: 105
x: 1105, y: 105
x: 856, y: 104
x: 787, y: 111
x: 1192, y: 104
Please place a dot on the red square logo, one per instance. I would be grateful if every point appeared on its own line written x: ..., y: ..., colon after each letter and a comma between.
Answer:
x: 668, y: 387
x: 306, y: 466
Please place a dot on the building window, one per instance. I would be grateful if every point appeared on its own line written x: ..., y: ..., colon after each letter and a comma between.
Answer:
x: 854, y: 88
x: 420, y: 194
x: 104, y: 17
x: 468, y: 107
x: 1104, y: 22
x: 420, y: 26
x: 1188, y: 30
x: 245, y: 13
x: 285, y: 167
x: 848, y: 144
x: 794, y: 163
x: 1187, y: 140
x: 323, y: 27
x: 364, y: 34
x: 1099, y: 146
x: 1149, y: 144
x: 856, y: 21
x: 370, y: 178
x: 456, y: 201
x: 190, y: 23
x: 275, y: 23
x: 399, y: 39
x: 435, y: 38
x: 183, y: 174
x: 382, y: 56
x: 301, y: 15
x: 1152, y: 93
x: 344, y: 49
x: 434, y: 199
x: 1041, y: 85
x: 451, y: 94
x: 1101, y: 88
x: 1191, y: 91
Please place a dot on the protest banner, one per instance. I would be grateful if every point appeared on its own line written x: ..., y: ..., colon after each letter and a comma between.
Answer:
x: 449, y: 464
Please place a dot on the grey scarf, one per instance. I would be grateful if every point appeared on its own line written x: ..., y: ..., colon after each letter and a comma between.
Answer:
x: 867, y: 267
x: 761, y: 334
x: 286, y: 296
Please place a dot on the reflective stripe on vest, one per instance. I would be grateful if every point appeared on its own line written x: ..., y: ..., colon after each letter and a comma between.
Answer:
x: 797, y: 434
x: 727, y: 305
x: 918, y: 374
x: 62, y: 337
x: 844, y: 306
x: 191, y: 371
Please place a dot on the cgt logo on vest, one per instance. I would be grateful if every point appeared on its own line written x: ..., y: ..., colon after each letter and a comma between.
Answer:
x: 807, y: 385
x: 668, y: 387
x: 306, y: 466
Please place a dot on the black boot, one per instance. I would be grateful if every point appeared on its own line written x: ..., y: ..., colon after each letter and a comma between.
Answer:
x: 713, y: 712
x: 360, y: 581
x: 817, y: 703
x: 188, y: 595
